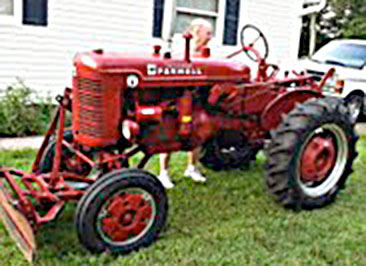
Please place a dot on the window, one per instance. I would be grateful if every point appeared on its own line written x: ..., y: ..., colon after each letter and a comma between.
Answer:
x: 188, y: 10
x: 10, y: 11
x: 7, y: 7
x: 172, y: 17
x: 30, y: 12
x: 158, y: 18
x: 35, y: 12
x: 232, y: 12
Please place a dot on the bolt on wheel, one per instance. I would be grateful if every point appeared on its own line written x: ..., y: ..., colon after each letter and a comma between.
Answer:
x: 126, y: 217
x: 311, y: 153
x: 122, y: 211
x: 323, y: 160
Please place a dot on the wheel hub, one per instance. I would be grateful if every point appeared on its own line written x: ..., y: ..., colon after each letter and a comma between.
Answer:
x: 126, y: 216
x: 318, y: 159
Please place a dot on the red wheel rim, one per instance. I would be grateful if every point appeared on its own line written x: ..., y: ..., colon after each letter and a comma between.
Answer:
x: 322, y: 160
x: 127, y: 216
x: 318, y: 159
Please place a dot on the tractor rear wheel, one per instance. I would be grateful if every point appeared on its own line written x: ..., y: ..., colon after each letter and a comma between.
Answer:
x: 311, y: 154
x: 227, y: 150
x: 121, y: 212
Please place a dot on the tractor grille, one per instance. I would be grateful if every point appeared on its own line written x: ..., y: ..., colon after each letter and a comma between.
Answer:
x: 91, y: 107
x: 317, y: 75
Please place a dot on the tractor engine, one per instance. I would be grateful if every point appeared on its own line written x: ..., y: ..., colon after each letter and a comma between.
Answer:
x: 151, y: 100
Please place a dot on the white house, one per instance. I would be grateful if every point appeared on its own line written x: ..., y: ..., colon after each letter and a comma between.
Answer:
x: 38, y: 38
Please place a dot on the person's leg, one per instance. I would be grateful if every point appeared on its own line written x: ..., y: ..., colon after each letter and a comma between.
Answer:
x: 192, y: 171
x: 164, y: 175
x: 164, y: 161
x: 192, y: 157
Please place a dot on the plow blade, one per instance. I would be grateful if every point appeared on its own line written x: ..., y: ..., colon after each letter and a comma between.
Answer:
x: 17, y: 225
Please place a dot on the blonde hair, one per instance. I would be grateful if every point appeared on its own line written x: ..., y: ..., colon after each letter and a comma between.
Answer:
x: 200, y: 22
x: 194, y: 28
x: 197, y: 23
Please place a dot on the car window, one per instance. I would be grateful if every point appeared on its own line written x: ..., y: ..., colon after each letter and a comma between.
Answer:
x: 345, y: 54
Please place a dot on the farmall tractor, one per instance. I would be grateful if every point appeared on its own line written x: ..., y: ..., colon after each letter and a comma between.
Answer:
x: 122, y: 105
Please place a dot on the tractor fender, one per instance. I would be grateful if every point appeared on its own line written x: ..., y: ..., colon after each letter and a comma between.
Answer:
x: 282, y: 104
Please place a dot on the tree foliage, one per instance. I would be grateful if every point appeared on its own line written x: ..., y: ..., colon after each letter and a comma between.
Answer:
x: 349, y: 19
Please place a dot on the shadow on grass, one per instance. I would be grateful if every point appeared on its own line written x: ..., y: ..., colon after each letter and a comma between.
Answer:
x: 230, y: 220
x: 193, y: 209
x: 58, y: 238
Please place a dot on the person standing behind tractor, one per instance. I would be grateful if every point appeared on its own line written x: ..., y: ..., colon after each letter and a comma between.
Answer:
x: 201, y: 31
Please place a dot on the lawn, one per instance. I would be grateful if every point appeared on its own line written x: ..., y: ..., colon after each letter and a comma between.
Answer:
x: 231, y: 220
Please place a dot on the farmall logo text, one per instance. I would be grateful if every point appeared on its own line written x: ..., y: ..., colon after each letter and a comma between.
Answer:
x: 153, y: 70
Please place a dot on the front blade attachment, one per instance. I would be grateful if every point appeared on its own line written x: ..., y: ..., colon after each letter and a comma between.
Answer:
x: 17, y: 225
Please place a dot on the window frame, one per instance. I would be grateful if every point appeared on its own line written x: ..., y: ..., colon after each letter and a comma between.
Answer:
x: 16, y: 18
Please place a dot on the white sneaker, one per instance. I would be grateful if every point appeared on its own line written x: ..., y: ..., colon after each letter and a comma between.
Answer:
x: 165, y: 179
x: 194, y: 173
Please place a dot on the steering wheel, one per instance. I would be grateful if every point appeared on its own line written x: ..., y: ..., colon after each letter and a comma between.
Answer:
x: 254, y: 44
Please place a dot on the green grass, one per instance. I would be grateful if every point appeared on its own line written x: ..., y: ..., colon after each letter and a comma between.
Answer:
x: 231, y: 220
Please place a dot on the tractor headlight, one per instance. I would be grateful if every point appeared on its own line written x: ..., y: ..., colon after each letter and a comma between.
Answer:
x: 130, y: 129
x: 126, y: 132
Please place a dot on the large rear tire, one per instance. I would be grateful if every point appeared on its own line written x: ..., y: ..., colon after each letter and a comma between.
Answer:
x: 311, y: 154
x: 121, y: 212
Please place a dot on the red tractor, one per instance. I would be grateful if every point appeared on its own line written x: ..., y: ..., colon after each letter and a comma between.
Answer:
x: 123, y: 104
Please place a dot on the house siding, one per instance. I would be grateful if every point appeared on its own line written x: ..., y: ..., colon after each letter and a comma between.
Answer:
x: 42, y: 56
x: 280, y: 23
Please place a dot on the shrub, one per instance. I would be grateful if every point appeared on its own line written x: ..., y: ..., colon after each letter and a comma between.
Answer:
x: 23, y: 112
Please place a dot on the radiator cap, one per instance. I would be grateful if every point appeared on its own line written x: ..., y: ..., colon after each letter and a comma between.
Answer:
x: 98, y: 51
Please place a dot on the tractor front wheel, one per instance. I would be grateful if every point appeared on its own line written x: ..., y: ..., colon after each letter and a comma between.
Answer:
x: 121, y: 212
x: 311, y: 154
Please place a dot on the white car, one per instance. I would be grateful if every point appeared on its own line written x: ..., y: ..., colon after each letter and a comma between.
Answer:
x: 348, y: 57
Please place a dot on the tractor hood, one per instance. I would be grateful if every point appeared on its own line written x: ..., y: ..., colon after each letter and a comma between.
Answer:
x: 159, y: 70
